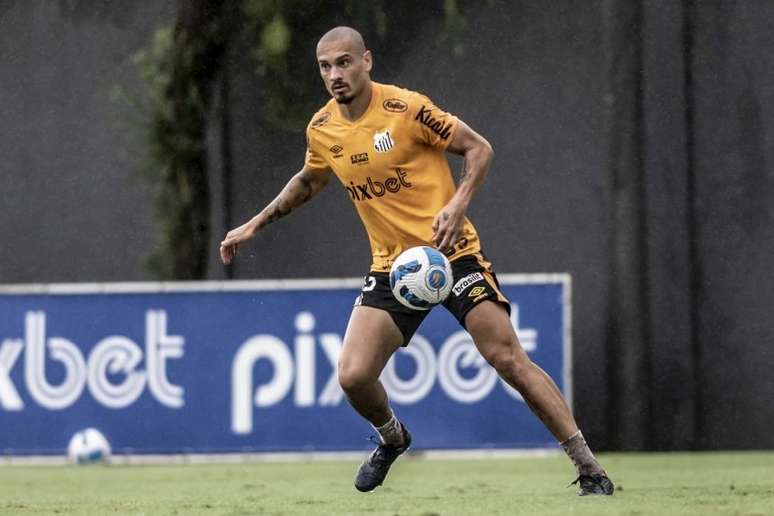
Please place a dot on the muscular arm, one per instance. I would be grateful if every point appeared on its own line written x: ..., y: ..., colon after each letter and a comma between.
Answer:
x: 301, y: 187
x: 478, y: 154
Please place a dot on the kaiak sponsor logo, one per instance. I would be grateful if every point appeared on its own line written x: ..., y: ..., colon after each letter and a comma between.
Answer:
x: 383, y: 142
x: 465, y: 282
x: 439, y: 127
x: 321, y: 120
x: 395, y: 105
x: 370, y: 189
x: 359, y: 159
x: 336, y: 150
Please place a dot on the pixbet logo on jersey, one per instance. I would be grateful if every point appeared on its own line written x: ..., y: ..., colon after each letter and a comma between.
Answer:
x: 115, y: 354
x: 371, y: 188
x: 457, y: 367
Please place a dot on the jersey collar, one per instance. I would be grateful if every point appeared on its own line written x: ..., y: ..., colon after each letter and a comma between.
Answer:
x: 376, y: 93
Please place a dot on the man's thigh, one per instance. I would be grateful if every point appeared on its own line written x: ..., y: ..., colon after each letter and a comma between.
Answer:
x: 370, y: 340
x: 376, y: 293
x: 490, y: 326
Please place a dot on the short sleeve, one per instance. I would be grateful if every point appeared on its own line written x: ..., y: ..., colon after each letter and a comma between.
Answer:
x: 313, y: 159
x: 430, y: 124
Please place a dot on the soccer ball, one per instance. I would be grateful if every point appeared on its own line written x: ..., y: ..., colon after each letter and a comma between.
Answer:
x: 420, y: 278
x: 88, y: 446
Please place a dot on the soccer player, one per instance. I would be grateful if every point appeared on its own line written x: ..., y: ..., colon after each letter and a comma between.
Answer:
x: 386, y: 145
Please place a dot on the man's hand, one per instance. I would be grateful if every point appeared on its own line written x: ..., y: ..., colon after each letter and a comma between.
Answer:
x: 229, y: 246
x: 448, y: 225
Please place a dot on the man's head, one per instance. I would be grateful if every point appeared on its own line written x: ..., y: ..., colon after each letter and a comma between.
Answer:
x: 344, y: 63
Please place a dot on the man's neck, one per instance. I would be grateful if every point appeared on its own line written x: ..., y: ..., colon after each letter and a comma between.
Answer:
x: 359, y: 104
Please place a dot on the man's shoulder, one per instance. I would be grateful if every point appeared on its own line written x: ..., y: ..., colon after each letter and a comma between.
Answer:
x: 397, y: 99
x: 322, y: 116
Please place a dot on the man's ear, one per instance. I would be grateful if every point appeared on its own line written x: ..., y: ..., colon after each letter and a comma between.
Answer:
x: 369, y: 60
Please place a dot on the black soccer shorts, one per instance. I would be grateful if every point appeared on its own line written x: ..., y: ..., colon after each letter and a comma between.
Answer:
x: 474, y: 282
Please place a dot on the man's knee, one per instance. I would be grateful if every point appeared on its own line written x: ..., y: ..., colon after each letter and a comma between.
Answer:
x: 509, y: 361
x: 352, y: 377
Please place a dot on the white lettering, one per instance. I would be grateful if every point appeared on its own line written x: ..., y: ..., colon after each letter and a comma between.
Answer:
x: 112, y: 355
x: 465, y: 282
x: 460, y: 351
x: 414, y: 389
x: 331, y: 394
x: 456, y: 359
x: 54, y: 397
x: 115, y: 354
x: 159, y: 347
x: 305, y: 370
x: 261, y: 346
x: 9, y: 353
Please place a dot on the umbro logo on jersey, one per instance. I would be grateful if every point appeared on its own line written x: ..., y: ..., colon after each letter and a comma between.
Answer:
x: 371, y: 188
x: 439, y: 127
x: 359, y: 159
x: 465, y: 282
x: 383, y: 142
x: 336, y: 150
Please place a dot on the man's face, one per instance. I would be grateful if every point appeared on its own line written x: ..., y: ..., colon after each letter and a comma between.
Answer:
x: 343, y: 69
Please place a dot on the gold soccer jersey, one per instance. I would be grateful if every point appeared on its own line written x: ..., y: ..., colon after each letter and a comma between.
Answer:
x: 391, y: 162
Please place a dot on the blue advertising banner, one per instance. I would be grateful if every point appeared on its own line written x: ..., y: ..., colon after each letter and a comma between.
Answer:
x: 217, y: 367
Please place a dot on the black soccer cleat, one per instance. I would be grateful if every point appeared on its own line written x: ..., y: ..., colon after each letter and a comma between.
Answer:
x: 373, y: 471
x: 594, y: 484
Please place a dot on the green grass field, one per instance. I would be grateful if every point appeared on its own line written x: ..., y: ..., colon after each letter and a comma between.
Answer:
x: 702, y: 484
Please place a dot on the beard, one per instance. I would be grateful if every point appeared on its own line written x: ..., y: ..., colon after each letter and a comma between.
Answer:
x: 343, y: 99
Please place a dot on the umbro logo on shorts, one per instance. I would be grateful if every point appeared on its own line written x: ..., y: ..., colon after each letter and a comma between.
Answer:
x: 383, y: 142
x: 465, y: 282
x: 476, y: 291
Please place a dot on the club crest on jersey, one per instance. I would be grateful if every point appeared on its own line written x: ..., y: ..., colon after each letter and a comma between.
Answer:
x: 383, y: 142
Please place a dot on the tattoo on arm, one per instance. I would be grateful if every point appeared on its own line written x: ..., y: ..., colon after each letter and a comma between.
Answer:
x: 306, y: 189
x: 277, y: 212
x: 465, y: 174
x: 298, y: 192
